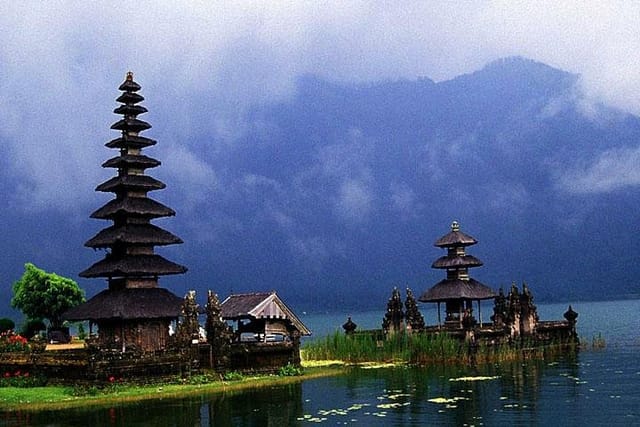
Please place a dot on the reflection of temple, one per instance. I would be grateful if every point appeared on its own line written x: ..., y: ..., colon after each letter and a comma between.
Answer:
x: 133, y: 312
x: 457, y: 291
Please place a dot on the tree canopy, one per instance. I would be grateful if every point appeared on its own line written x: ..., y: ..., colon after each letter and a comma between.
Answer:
x: 39, y: 294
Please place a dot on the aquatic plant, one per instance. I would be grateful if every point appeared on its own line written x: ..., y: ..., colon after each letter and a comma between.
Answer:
x: 366, y: 347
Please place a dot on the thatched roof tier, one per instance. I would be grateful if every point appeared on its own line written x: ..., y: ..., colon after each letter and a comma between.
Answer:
x: 130, y: 110
x: 131, y: 182
x: 133, y: 206
x: 455, y: 289
x: 128, y: 141
x: 131, y: 125
x: 133, y: 234
x: 130, y: 98
x: 457, y: 261
x: 133, y: 266
x: 130, y: 260
x: 131, y: 161
x: 126, y: 304
x: 455, y: 238
x: 261, y: 305
x: 129, y: 85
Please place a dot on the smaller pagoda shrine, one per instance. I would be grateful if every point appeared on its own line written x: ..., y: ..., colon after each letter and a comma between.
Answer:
x: 458, y: 290
x: 133, y: 313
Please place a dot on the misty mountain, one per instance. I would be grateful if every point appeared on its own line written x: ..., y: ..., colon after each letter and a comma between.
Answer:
x: 336, y: 195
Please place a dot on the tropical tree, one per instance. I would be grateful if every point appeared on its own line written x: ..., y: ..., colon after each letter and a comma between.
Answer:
x: 6, y: 324
x: 42, y: 295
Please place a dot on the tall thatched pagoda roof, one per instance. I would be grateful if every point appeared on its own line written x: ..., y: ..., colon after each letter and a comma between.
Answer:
x: 131, y: 239
x: 457, y: 285
x: 451, y: 289
x: 455, y: 238
x: 125, y: 304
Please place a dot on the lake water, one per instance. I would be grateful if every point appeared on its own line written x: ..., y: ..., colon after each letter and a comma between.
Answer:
x: 594, y: 387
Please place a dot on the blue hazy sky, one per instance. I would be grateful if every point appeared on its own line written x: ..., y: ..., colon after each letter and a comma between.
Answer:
x: 204, y: 65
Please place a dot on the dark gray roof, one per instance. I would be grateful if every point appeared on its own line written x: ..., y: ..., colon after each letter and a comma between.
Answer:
x: 131, y: 160
x: 128, y: 141
x: 455, y: 238
x: 130, y: 110
x: 133, y: 266
x: 133, y: 125
x: 130, y: 98
x: 133, y: 234
x: 135, y: 303
x: 457, y: 261
x: 129, y: 85
x: 133, y: 206
x: 260, y: 305
x: 131, y: 182
x: 451, y: 289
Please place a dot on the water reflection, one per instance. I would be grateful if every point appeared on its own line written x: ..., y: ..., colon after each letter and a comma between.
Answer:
x: 598, y: 387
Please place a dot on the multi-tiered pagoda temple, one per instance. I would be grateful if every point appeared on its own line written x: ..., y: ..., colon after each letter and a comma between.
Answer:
x: 133, y: 312
x: 457, y: 290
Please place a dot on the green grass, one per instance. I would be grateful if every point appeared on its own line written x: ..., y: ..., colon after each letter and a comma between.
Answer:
x: 61, y: 397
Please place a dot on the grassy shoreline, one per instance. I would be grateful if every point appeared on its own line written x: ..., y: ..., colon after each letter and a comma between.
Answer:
x: 59, y: 397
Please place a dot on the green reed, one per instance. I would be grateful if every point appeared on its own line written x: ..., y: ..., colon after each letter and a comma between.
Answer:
x: 372, y: 347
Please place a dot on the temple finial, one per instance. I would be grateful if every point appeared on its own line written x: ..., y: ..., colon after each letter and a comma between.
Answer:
x: 129, y: 76
x: 455, y: 226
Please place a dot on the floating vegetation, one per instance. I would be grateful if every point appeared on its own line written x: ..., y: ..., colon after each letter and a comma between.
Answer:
x: 478, y: 378
x: 444, y: 400
x: 392, y: 405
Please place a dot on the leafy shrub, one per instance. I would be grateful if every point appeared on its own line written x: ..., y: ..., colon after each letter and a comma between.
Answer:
x: 82, y: 334
x: 31, y: 327
x: 233, y: 376
x: 22, y: 379
x: 6, y: 325
x: 290, y: 370
x: 10, y: 342
x: 83, y: 390
x: 199, y: 379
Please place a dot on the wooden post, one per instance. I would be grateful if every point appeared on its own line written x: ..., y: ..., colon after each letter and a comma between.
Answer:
x: 439, y: 321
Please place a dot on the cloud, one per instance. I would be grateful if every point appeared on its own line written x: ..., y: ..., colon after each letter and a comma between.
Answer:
x: 613, y: 170
x: 203, y: 66
x: 404, y: 201
x: 355, y: 201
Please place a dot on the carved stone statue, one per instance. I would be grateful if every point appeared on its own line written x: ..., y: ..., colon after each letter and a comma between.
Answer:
x: 528, y: 312
x: 499, y: 317
x: 394, y: 317
x: 188, y: 328
x: 514, y: 312
x: 414, y: 318
x: 218, y: 333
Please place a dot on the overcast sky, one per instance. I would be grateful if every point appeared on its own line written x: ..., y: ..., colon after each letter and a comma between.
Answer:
x: 202, y: 64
